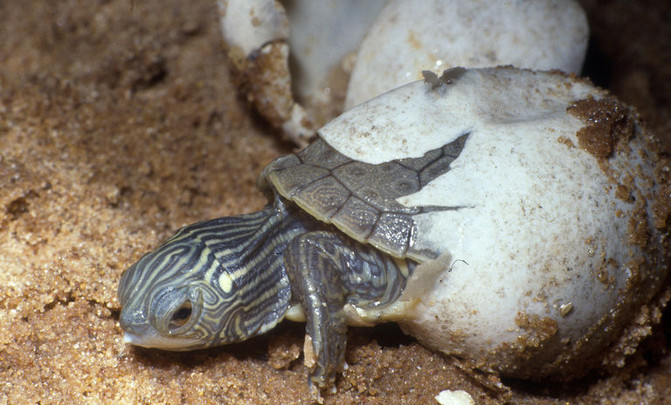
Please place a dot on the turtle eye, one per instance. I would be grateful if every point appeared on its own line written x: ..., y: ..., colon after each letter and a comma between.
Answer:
x: 181, y: 316
x: 176, y: 311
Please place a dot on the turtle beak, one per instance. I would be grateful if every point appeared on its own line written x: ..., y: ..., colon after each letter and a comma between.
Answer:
x: 138, y: 331
x: 156, y: 341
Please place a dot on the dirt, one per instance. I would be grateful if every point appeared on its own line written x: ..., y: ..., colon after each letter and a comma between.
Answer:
x: 119, y: 123
x: 607, y: 124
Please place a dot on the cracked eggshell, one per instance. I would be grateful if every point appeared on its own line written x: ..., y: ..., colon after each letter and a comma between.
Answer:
x: 251, y: 24
x: 323, y: 34
x: 261, y: 34
x: 557, y: 240
x: 408, y: 38
x: 256, y: 33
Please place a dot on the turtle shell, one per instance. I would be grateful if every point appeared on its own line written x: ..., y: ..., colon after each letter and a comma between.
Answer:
x: 367, y: 165
x: 360, y: 198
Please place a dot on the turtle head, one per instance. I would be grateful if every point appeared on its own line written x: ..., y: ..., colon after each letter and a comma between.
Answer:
x: 205, y: 286
x: 162, y: 316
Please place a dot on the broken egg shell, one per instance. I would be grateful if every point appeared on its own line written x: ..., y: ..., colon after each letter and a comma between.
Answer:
x: 555, y: 246
x: 252, y: 24
x: 407, y: 39
x: 323, y: 34
x: 256, y: 33
x: 258, y: 39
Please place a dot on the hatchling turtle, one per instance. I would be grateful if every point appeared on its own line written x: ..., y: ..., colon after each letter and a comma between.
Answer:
x: 514, y: 218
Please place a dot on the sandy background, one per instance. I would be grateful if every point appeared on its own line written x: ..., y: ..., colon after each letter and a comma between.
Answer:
x: 119, y: 124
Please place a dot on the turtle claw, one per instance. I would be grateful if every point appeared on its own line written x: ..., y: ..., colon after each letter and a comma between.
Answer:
x: 315, y: 393
x: 324, y: 361
x: 320, y: 380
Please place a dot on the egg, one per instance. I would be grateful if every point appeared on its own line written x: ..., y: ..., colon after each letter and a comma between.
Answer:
x: 293, y: 60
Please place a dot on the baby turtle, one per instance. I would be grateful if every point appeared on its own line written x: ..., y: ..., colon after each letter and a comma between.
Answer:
x: 472, y: 208
x: 228, y: 279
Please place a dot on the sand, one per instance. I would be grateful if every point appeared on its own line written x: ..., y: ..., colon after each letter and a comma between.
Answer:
x: 119, y: 123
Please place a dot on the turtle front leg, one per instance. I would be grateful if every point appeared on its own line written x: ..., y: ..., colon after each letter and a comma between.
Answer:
x: 327, y: 273
x: 314, y: 263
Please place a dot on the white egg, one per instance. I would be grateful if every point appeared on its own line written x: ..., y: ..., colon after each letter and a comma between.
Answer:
x: 556, y: 239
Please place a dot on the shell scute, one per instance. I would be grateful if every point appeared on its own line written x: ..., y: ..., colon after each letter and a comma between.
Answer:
x: 358, y: 216
x: 323, y: 198
x: 435, y: 166
x: 379, y: 185
x: 323, y: 155
x: 394, y: 234
x: 289, y: 176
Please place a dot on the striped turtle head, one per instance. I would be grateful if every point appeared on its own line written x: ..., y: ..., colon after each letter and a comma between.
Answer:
x: 205, y: 286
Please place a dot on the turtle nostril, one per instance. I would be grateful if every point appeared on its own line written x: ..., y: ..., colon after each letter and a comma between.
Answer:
x: 125, y: 320
x: 132, y: 321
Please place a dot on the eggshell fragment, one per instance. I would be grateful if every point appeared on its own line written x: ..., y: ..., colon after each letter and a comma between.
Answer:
x: 448, y: 397
x: 256, y: 33
x: 260, y: 43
